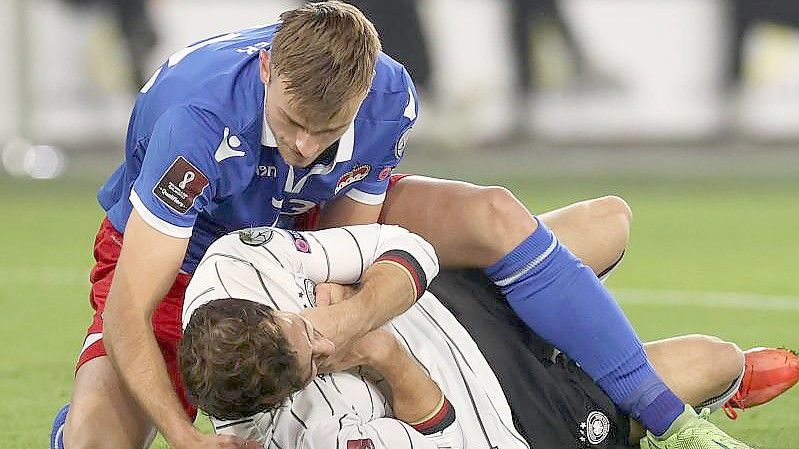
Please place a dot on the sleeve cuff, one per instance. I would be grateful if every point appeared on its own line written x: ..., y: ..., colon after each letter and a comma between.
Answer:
x: 438, y: 420
x: 366, y: 198
x: 157, y: 223
x: 409, y: 263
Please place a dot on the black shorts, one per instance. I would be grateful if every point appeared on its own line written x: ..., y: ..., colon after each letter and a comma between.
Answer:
x: 555, y: 404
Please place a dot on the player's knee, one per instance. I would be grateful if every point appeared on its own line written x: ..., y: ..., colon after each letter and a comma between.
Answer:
x: 613, y: 214
x: 502, y: 221
x: 79, y: 434
x: 86, y: 434
x: 617, y: 207
x: 723, y: 362
x: 616, y: 210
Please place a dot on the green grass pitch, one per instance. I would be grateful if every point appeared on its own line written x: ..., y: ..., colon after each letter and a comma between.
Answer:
x: 715, y: 256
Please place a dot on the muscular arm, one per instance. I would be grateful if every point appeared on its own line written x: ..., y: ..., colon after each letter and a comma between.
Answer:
x: 414, y: 395
x: 147, y: 267
x: 345, y: 211
x: 349, y: 321
x: 384, y: 293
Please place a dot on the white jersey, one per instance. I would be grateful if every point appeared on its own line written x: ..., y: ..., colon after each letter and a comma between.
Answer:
x: 347, y: 410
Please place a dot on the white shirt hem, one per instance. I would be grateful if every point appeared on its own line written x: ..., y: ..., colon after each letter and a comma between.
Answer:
x: 158, y: 224
x: 366, y: 198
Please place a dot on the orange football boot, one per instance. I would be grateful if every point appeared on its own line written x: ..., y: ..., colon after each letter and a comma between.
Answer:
x: 768, y: 373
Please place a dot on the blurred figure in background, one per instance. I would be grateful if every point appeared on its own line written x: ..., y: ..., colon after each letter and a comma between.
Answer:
x: 746, y: 14
x: 529, y: 19
x: 137, y: 29
x: 398, y: 24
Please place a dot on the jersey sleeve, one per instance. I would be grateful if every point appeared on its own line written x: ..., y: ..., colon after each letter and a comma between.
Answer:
x: 251, y: 263
x: 372, y: 190
x: 179, y: 175
x: 342, y: 255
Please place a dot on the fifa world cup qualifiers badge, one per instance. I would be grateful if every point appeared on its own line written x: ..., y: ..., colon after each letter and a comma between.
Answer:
x: 181, y: 185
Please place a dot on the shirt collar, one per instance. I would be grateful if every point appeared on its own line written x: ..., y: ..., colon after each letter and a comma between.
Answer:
x: 267, y: 136
x: 346, y: 143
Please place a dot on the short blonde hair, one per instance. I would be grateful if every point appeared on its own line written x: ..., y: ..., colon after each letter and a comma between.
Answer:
x: 326, y: 53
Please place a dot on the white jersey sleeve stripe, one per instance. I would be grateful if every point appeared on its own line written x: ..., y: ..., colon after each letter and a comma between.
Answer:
x: 157, y: 223
x: 372, y: 199
x: 360, y: 252
x: 355, y: 248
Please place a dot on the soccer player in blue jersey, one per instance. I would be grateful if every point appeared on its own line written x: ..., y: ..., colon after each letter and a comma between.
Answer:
x: 258, y: 126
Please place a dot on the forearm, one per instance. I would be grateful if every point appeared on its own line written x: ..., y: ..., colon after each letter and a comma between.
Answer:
x: 386, y: 291
x: 133, y: 350
x: 415, y: 397
x: 147, y: 266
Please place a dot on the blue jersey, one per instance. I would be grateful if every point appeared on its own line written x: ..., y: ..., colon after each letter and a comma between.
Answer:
x: 200, y: 160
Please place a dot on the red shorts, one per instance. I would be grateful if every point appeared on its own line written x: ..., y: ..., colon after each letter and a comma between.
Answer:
x: 167, y: 323
x: 166, y: 318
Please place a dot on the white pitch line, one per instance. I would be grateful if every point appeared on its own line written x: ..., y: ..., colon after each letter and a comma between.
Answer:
x: 44, y: 276
x: 728, y: 300
x: 63, y: 276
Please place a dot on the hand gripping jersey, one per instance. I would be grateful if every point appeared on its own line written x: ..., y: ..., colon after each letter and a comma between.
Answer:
x: 200, y: 160
x: 346, y: 410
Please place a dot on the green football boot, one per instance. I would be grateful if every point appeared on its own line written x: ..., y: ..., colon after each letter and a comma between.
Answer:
x: 692, y: 431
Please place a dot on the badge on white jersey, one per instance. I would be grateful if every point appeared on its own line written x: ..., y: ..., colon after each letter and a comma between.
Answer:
x: 365, y: 443
x: 300, y: 244
x: 255, y: 237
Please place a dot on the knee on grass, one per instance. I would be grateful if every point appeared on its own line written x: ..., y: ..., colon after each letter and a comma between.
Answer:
x: 723, y: 362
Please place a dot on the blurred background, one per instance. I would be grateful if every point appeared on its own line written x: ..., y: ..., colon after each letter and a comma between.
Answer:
x: 689, y: 109
x: 492, y: 72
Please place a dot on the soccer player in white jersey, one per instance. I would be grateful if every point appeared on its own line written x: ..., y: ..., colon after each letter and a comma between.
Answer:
x: 250, y: 343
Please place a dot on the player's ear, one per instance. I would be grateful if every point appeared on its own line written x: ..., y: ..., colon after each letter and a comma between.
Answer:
x: 263, y: 55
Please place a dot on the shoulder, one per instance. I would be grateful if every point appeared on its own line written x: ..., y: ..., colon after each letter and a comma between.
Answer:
x: 391, y: 92
x: 390, y: 76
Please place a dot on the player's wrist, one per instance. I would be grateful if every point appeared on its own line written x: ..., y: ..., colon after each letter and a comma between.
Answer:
x: 183, y: 436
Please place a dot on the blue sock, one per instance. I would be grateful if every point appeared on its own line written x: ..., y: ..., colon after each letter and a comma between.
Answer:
x: 562, y: 301
x: 57, y: 434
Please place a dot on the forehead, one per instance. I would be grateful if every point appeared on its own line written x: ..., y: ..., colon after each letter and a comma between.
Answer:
x: 307, y: 112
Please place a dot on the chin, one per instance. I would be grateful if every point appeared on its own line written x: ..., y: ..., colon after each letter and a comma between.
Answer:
x: 299, y: 163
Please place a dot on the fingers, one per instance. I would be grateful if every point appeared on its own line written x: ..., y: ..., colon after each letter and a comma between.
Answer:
x: 234, y: 442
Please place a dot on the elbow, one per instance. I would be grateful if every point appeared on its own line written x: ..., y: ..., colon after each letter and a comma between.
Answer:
x: 427, y: 258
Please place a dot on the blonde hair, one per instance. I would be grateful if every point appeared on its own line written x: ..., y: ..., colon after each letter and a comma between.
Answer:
x: 326, y: 53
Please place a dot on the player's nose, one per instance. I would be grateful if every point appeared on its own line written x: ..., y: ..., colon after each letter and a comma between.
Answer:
x: 307, y: 144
